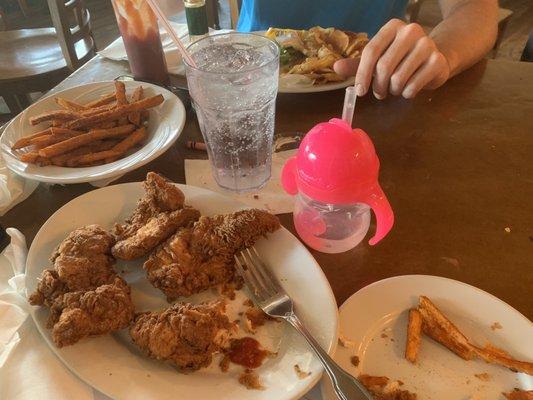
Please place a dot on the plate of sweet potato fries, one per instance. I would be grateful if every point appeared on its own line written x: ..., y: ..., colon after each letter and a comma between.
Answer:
x: 418, y: 337
x: 92, y: 132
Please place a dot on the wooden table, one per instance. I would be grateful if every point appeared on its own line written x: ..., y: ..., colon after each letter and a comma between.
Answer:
x: 456, y: 164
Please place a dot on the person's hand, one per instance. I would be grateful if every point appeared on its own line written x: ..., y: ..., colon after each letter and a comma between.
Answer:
x: 400, y: 59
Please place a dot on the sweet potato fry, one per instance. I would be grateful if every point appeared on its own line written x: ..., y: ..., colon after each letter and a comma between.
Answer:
x: 519, y: 394
x: 98, y: 145
x: 116, y: 113
x: 120, y: 94
x: 442, y: 330
x: 413, y: 335
x: 63, y: 115
x: 495, y: 357
x: 57, y: 123
x: 81, y: 140
x: 90, y: 158
x: 107, y: 125
x: 29, y: 157
x: 47, y: 140
x: 26, y: 140
x: 136, y: 137
x: 135, y: 117
x: 69, y: 105
x: 106, y: 99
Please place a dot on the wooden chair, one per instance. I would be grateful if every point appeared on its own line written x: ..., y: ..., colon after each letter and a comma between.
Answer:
x: 35, y: 60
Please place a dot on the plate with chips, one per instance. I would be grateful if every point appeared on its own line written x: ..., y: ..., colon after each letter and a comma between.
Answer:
x: 92, y: 132
x: 307, y: 57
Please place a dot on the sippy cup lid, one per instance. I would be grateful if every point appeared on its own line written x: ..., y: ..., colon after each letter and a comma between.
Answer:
x: 337, y: 165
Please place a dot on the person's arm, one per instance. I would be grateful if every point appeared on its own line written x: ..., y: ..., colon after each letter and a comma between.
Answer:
x: 402, y: 60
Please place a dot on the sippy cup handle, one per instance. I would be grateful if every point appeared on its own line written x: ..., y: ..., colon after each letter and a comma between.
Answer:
x: 384, y: 215
x: 288, y: 178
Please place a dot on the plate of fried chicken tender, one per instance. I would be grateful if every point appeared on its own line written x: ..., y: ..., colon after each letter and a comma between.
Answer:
x: 92, y: 132
x: 135, y: 284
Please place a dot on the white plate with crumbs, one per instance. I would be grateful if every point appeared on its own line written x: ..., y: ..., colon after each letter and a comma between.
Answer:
x: 373, y: 323
x: 165, y: 124
x: 113, y: 365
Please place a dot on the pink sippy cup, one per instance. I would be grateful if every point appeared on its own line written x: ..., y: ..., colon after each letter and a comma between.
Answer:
x: 334, y: 176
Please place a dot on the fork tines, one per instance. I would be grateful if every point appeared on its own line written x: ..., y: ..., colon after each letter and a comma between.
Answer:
x: 258, y: 277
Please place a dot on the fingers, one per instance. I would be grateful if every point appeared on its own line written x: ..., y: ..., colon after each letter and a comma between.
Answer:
x: 423, y: 49
x: 431, y: 75
x: 346, y: 67
x: 372, y: 52
x: 405, y: 40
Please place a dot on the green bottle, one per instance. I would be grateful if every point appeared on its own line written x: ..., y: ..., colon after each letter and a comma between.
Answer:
x: 196, y: 14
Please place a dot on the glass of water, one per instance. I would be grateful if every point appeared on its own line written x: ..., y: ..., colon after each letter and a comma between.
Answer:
x: 234, y: 86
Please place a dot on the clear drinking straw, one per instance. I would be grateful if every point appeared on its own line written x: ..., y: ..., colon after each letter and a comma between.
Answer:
x: 349, y: 105
x: 163, y: 19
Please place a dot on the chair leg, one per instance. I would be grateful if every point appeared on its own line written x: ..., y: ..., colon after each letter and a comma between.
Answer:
x: 16, y: 102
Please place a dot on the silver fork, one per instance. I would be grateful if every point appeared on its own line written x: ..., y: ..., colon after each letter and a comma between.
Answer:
x: 268, y: 294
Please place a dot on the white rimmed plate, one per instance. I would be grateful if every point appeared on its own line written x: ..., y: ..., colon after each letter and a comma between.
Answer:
x: 112, y: 364
x: 165, y: 125
x: 375, y: 319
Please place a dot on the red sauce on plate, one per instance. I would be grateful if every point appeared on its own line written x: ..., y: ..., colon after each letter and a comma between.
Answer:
x: 247, y: 352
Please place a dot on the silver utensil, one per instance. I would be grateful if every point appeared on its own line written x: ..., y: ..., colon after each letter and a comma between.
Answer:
x: 268, y: 294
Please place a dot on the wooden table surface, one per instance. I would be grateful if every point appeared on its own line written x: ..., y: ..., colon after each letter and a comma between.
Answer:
x: 456, y: 165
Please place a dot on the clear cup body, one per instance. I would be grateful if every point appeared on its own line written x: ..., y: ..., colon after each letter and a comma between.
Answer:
x: 140, y: 33
x: 234, y: 87
x: 330, y: 228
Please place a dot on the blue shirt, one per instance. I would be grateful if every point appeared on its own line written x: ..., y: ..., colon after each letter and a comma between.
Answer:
x: 350, y: 15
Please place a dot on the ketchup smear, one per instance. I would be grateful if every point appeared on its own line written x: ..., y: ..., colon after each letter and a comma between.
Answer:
x: 247, y: 352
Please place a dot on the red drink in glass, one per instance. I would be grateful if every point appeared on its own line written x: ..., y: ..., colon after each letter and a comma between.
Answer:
x: 140, y: 33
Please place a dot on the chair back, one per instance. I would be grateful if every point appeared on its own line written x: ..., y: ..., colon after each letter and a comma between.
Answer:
x: 72, y: 23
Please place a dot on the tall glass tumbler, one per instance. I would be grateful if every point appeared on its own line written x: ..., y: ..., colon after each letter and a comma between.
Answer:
x: 234, y: 86
x: 140, y: 33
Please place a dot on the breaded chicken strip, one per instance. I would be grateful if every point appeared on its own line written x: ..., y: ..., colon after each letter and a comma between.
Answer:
x: 82, y: 261
x: 85, y: 295
x: 94, y: 312
x: 158, y: 215
x: 156, y: 230
x: 184, y: 335
x: 197, y: 258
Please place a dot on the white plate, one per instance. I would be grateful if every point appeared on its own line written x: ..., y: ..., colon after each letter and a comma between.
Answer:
x: 165, y: 125
x: 377, y: 314
x: 111, y: 363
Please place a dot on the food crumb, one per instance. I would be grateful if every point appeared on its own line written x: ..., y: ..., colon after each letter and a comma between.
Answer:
x: 301, y: 374
x: 354, y: 360
x: 495, y: 326
x: 507, y: 229
x: 110, y: 374
x: 224, y: 363
x: 384, y: 335
x: 148, y: 375
x: 344, y: 342
x: 256, y: 196
x: 250, y: 380
x: 255, y: 317
x: 485, y: 377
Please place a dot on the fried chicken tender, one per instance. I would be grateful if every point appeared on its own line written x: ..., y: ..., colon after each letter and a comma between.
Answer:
x: 156, y: 230
x: 184, y: 335
x: 82, y: 261
x: 85, y: 295
x: 197, y: 258
x: 94, y: 312
x: 157, y: 216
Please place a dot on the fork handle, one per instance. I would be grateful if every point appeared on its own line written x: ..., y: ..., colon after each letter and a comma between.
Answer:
x: 346, y: 386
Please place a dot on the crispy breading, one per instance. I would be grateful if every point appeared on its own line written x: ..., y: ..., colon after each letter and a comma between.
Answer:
x: 184, y: 335
x: 156, y: 230
x: 197, y: 258
x: 94, y: 312
x: 157, y: 216
x: 85, y: 295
